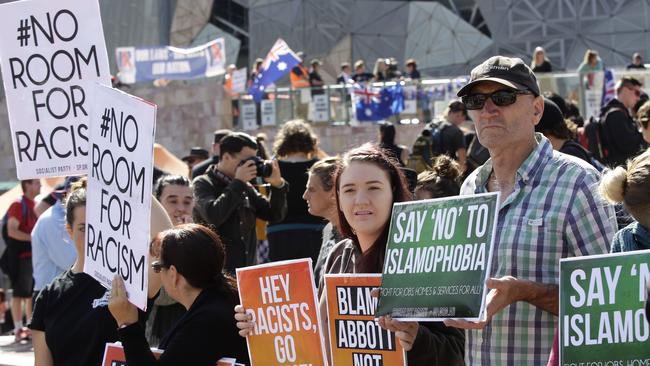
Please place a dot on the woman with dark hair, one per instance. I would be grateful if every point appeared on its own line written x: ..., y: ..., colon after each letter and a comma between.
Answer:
x: 367, y: 183
x: 387, y: 142
x: 299, y: 235
x: 71, y: 323
x: 191, y: 271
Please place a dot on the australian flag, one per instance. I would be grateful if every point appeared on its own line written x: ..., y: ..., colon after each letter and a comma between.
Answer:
x: 609, y: 87
x: 280, y: 60
x: 380, y: 104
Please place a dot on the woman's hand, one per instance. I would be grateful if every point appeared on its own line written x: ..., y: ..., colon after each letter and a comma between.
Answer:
x: 405, y: 332
x: 122, y: 310
x: 244, y: 321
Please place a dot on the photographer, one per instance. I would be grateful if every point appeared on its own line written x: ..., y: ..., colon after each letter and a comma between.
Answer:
x: 226, y: 201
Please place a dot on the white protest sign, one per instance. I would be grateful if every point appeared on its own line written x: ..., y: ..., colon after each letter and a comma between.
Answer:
x: 248, y: 116
x: 268, y: 112
x: 51, y: 55
x: 321, y: 108
x: 118, y: 206
x: 239, y: 80
x: 410, y: 99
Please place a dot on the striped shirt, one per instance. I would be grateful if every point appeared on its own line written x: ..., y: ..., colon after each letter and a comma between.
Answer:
x: 552, y: 213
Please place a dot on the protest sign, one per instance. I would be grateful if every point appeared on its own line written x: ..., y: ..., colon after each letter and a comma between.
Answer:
x: 138, y: 64
x: 438, y: 257
x: 118, y: 206
x: 321, y: 108
x: 281, y: 298
x: 114, y: 356
x: 355, y: 336
x: 410, y: 99
x: 248, y: 116
x: 268, y: 112
x: 602, y: 317
x: 47, y: 70
x: 239, y: 80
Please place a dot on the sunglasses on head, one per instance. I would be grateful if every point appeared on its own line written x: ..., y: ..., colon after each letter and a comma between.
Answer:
x: 500, y: 98
x: 157, y: 266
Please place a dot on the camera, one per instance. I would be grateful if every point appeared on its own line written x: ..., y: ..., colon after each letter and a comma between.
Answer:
x: 264, y: 168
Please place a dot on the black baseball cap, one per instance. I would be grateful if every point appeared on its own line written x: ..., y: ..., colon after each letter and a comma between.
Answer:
x: 197, y: 153
x: 510, y: 72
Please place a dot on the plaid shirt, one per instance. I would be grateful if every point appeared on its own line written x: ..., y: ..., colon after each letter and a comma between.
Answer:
x: 552, y: 213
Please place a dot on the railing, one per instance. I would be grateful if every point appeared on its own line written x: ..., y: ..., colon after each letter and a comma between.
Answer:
x: 424, y: 99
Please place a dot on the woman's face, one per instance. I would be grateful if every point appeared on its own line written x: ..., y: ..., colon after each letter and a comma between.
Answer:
x: 539, y: 58
x: 319, y: 201
x: 78, y: 230
x: 178, y: 202
x: 366, y: 198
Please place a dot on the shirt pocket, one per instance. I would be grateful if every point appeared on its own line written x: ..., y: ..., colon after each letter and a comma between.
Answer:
x: 530, y: 248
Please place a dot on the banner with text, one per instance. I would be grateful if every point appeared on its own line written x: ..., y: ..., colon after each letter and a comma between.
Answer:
x: 438, y: 257
x: 139, y: 64
x: 118, y: 207
x: 355, y: 336
x: 51, y: 55
x: 602, y: 310
x: 281, y: 298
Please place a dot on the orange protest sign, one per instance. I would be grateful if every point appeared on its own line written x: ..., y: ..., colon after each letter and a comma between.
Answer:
x: 281, y: 297
x: 356, y: 339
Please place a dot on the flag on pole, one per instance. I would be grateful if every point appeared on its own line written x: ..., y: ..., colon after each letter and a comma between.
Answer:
x: 279, y: 61
x: 609, y: 87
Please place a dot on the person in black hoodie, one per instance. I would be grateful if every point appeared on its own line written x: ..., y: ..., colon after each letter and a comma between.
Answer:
x: 191, y: 266
x: 620, y: 135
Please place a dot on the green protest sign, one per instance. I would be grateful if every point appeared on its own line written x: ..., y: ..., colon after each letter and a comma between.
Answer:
x: 602, y: 316
x: 438, y: 257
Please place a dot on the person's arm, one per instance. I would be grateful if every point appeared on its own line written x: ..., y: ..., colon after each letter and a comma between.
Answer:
x: 14, y: 232
x: 42, y: 354
x: 508, y: 290
x: 437, y: 344
x: 216, y: 210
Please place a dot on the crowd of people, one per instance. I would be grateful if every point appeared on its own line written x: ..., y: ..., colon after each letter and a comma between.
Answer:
x: 240, y: 207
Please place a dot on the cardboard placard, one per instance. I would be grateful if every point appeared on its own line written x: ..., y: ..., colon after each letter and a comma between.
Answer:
x: 51, y: 55
x: 248, y: 116
x: 355, y: 336
x: 268, y: 112
x: 438, y: 257
x: 118, y: 208
x: 602, y: 309
x: 321, y: 108
x: 281, y: 297
x: 239, y: 80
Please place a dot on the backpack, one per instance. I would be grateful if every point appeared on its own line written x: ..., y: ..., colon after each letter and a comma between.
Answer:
x: 477, y: 155
x: 427, y: 146
x: 592, y: 137
x: 9, y: 258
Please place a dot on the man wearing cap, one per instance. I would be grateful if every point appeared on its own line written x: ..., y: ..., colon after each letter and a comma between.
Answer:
x: 315, y: 80
x: 197, y: 154
x: 228, y: 203
x: 200, y: 168
x: 547, y: 210
x: 620, y: 136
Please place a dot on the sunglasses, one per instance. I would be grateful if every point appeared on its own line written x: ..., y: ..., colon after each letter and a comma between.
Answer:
x: 500, y: 98
x: 157, y: 266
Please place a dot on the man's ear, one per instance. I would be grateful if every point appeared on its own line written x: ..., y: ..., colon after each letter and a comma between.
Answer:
x: 538, y: 109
